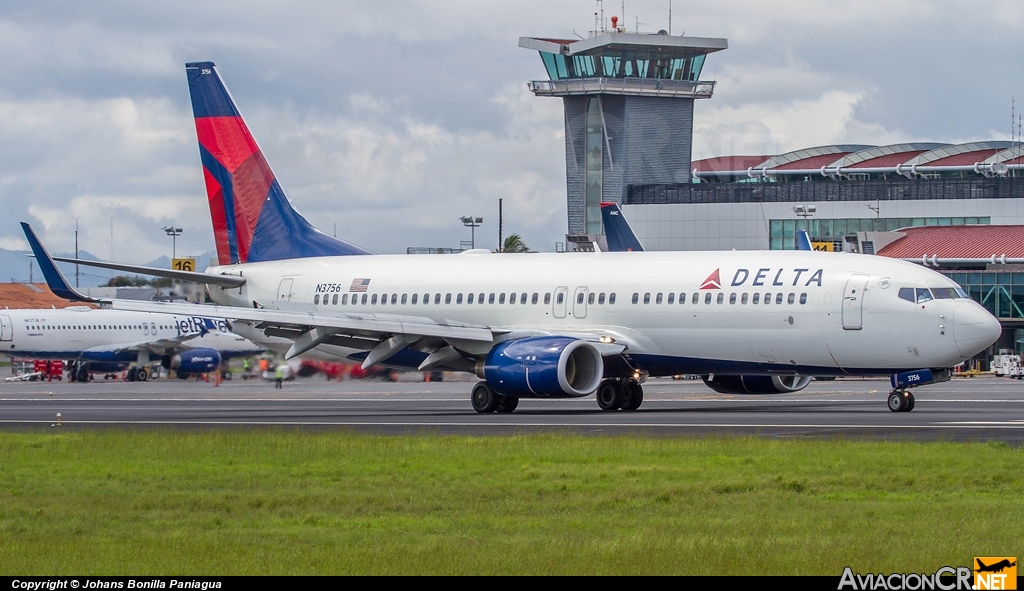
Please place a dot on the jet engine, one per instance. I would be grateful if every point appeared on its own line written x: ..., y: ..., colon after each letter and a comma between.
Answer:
x: 555, y: 367
x: 756, y: 384
x: 194, y: 361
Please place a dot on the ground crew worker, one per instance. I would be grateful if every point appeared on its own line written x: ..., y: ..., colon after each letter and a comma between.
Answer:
x: 278, y: 376
x: 245, y: 366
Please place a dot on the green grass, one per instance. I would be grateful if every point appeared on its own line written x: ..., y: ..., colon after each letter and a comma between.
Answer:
x: 292, y: 502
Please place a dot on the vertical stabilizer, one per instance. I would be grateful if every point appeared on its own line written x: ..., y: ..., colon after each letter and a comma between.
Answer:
x: 803, y: 240
x: 252, y: 218
x: 620, y: 236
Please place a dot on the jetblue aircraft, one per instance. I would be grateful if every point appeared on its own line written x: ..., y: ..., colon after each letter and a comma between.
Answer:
x: 557, y: 325
x: 110, y: 340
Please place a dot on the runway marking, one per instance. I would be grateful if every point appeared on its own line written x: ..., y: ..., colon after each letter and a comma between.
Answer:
x: 1016, y: 422
x: 494, y: 424
x: 680, y: 398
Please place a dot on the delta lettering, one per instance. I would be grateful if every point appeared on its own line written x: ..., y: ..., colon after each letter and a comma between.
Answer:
x: 777, y: 277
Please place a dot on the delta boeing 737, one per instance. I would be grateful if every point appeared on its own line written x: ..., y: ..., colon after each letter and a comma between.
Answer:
x: 557, y: 325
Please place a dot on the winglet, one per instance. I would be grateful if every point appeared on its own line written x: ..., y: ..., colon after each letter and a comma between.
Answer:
x: 54, y: 278
x: 803, y: 240
x: 620, y: 236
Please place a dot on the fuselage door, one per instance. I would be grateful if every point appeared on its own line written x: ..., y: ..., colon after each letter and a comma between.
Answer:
x: 579, y: 302
x: 284, y: 291
x: 853, y: 302
x: 6, y: 328
x: 559, y: 303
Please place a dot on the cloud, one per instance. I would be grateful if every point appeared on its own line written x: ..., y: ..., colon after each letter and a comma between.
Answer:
x: 393, y: 119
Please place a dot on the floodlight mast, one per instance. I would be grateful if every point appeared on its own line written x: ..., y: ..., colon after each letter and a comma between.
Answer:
x: 472, y: 223
x: 173, y: 233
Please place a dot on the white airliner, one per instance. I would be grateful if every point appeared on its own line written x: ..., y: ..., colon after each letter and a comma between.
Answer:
x: 558, y: 325
x: 110, y: 340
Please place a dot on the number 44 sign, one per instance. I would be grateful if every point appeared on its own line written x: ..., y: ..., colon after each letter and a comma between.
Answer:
x: 183, y: 264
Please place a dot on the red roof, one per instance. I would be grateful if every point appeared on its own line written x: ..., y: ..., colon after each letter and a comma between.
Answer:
x: 888, y: 160
x: 965, y: 159
x: 814, y: 162
x: 728, y: 163
x: 968, y: 242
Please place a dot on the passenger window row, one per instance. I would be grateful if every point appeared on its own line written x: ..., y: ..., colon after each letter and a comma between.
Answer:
x: 459, y: 298
x: 719, y: 298
x: 90, y: 327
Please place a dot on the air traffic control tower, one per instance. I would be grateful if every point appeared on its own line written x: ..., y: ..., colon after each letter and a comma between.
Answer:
x: 628, y: 112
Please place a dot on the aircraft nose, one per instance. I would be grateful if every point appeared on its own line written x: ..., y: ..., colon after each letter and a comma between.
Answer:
x: 974, y: 328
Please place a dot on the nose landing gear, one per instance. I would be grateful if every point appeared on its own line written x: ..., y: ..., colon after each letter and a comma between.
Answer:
x: 900, y: 400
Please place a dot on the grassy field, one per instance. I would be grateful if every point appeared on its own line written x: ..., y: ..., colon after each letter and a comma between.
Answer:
x: 282, y: 502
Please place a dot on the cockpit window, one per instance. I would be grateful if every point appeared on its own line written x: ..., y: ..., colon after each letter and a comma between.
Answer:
x: 945, y: 293
x: 923, y: 295
x: 907, y: 293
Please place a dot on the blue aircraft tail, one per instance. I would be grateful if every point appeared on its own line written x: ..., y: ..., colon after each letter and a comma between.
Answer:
x: 252, y: 218
x: 803, y: 240
x: 616, y: 229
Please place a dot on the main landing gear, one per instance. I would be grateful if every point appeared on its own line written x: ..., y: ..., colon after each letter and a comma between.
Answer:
x: 486, y: 400
x: 612, y: 394
x: 615, y: 394
x: 137, y: 374
x: 900, y: 400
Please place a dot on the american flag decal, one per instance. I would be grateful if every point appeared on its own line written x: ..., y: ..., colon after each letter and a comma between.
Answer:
x: 359, y: 285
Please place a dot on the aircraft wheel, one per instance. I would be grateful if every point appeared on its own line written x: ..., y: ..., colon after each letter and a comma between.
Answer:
x: 132, y: 374
x: 507, y: 404
x: 633, y: 396
x: 142, y: 375
x: 897, y: 401
x: 910, y: 402
x: 82, y: 374
x: 484, y: 398
x: 610, y: 395
x: 226, y: 375
x: 184, y: 375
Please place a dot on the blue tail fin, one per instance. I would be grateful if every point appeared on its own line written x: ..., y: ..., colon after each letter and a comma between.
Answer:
x: 54, y: 278
x: 803, y: 240
x: 252, y: 218
x: 616, y: 229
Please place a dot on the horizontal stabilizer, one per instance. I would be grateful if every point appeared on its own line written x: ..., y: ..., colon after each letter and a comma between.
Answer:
x: 221, y: 280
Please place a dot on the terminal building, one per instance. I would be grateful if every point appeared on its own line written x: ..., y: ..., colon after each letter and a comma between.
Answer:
x: 628, y: 103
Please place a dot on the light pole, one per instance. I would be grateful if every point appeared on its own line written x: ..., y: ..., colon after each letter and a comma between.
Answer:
x: 472, y: 223
x: 805, y: 211
x: 173, y: 233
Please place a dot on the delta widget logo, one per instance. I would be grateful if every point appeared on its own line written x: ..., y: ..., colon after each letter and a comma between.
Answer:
x: 713, y: 281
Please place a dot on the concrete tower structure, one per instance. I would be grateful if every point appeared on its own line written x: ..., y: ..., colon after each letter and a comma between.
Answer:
x: 628, y: 102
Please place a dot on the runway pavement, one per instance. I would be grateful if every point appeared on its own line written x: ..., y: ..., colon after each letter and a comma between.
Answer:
x: 983, y: 408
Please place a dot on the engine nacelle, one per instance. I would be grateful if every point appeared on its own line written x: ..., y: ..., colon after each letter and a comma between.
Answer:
x: 555, y: 367
x: 757, y: 384
x: 195, y: 361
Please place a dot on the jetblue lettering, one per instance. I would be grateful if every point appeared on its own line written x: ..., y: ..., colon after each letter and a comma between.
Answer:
x: 193, y: 325
x: 781, y: 275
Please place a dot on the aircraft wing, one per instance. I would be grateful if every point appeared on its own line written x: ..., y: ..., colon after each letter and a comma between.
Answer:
x: 369, y: 328
x: 156, y: 345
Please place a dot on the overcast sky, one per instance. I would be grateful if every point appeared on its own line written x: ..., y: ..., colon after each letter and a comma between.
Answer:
x: 392, y: 119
